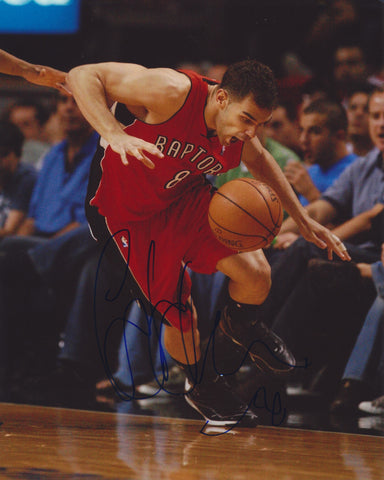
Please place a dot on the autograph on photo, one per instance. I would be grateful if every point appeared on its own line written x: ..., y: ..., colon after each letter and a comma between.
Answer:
x: 262, y: 399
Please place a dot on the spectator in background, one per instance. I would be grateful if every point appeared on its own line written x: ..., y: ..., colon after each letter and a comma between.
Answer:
x: 57, y: 203
x: 323, y: 135
x: 284, y: 127
x: 30, y: 117
x: 334, y: 19
x: 363, y: 377
x: 350, y: 69
x: 360, y: 182
x: 357, y: 112
x: 341, y: 21
x: 57, y: 207
x: 16, y: 180
x: 314, y: 89
x: 38, y: 75
x: 338, y: 292
x: 323, y: 125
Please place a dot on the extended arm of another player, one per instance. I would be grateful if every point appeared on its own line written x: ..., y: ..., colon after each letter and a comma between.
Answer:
x: 37, y: 74
x: 262, y: 166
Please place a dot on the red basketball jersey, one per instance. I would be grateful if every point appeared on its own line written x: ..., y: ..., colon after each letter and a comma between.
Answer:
x: 135, y: 192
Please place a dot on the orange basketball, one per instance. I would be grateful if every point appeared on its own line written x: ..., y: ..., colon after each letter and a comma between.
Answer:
x: 245, y: 214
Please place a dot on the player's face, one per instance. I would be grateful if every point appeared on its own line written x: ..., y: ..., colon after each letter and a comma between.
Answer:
x: 316, y: 140
x: 357, y: 112
x: 376, y: 120
x: 239, y: 119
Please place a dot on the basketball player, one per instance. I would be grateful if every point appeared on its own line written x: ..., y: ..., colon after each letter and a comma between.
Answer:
x: 37, y: 74
x: 161, y: 132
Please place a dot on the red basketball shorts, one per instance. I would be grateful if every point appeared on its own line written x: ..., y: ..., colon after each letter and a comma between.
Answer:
x: 159, y: 249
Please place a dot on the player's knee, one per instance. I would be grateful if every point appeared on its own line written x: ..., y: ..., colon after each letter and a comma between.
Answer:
x: 264, y: 282
x: 258, y: 280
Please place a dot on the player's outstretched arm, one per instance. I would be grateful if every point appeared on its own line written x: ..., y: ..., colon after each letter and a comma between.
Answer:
x: 153, y: 94
x: 37, y: 74
x: 263, y: 166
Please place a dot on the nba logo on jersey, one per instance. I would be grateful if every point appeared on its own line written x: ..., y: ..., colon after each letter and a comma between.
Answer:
x: 124, y: 241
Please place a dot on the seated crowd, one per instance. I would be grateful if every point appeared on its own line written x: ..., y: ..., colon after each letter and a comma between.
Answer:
x: 68, y: 337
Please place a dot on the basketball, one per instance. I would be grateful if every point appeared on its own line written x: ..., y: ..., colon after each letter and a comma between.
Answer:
x: 245, y: 214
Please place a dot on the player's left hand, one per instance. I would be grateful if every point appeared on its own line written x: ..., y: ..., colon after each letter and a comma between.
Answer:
x: 324, y: 239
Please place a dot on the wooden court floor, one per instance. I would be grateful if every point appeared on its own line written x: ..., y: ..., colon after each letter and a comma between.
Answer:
x: 53, y: 443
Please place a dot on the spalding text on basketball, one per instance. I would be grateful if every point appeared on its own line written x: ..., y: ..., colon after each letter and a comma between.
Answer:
x: 230, y: 243
x: 272, y: 194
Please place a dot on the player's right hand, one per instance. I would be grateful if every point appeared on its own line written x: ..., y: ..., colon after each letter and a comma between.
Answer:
x: 128, y: 145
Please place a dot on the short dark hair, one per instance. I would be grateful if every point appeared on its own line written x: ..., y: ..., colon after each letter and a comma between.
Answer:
x: 42, y: 113
x: 363, y: 87
x: 11, y: 138
x: 336, y: 117
x: 251, y: 77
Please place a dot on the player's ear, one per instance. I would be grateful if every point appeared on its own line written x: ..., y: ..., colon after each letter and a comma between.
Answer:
x: 222, y: 97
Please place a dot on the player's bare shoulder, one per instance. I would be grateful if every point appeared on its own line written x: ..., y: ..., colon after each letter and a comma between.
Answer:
x: 170, y: 81
x: 167, y: 90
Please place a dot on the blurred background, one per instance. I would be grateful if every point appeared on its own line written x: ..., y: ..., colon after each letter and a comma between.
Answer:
x: 296, y: 38
x: 281, y: 33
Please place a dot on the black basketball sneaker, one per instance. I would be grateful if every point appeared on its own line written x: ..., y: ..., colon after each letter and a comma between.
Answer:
x: 217, y: 403
x: 264, y: 347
